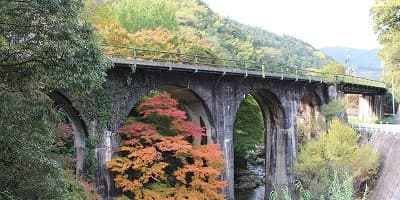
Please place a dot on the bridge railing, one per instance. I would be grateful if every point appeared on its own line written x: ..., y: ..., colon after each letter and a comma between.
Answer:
x: 377, y: 128
x: 231, y: 65
x: 359, y: 80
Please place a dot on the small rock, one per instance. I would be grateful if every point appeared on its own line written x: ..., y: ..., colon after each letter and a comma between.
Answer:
x: 260, y: 161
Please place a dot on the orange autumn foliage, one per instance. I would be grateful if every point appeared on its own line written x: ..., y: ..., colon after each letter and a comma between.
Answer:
x: 156, y: 166
x: 162, y: 105
x: 158, y: 39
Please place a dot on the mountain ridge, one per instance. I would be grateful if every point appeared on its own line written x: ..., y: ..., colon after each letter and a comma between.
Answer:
x: 366, y: 62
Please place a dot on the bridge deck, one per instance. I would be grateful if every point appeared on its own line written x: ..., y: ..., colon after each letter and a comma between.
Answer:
x: 161, y: 60
x: 135, y: 64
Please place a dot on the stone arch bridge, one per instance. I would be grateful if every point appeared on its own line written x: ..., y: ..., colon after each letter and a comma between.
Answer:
x: 212, y: 96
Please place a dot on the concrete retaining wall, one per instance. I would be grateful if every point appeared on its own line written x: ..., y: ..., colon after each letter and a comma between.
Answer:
x: 388, y: 185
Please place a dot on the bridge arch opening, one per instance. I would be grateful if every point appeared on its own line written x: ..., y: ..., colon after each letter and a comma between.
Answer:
x: 194, y: 106
x: 269, y: 162
x: 196, y: 112
x: 79, y: 130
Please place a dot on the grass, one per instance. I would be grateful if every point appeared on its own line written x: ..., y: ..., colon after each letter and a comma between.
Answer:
x: 355, y: 120
x: 386, y: 120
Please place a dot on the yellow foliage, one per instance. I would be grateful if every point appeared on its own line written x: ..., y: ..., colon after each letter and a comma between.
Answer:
x: 103, y: 17
x: 336, y: 151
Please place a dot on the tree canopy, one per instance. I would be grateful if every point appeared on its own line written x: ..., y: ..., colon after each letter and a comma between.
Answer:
x: 386, y: 17
x: 44, y: 45
x: 134, y: 15
x: 48, y: 45
x: 333, y: 68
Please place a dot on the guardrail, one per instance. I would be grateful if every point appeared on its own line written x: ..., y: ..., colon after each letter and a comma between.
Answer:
x: 191, y: 59
x: 377, y: 128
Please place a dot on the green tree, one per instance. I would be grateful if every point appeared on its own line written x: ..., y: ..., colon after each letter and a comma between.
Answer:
x: 333, y: 109
x: 333, y: 68
x: 134, y: 15
x: 386, y: 17
x: 337, y: 151
x: 49, y: 45
x: 248, y: 130
x: 28, y: 128
x: 44, y: 45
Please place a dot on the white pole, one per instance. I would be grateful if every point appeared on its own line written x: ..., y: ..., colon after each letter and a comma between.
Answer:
x: 394, y: 112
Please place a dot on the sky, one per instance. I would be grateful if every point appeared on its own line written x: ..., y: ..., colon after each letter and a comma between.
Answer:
x: 321, y: 23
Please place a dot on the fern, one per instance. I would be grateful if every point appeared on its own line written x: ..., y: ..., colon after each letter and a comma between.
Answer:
x: 348, y: 190
x: 304, y: 194
x: 365, y: 193
x: 286, y: 194
x: 273, y: 195
x: 341, y: 188
x: 341, y: 191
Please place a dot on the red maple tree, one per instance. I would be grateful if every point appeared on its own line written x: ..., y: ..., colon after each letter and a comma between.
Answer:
x: 157, y: 161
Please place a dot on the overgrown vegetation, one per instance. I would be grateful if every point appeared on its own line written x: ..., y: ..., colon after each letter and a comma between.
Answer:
x: 341, y: 188
x: 248, y: 131
x: 333, y: 109
x: 386, y: 120
x: 158, y: 161
x: 335, y: 150
x: 43, y: 46
x: 386, y: 16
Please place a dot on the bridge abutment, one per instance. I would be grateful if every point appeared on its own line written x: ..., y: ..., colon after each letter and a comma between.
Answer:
x: 370, y: 107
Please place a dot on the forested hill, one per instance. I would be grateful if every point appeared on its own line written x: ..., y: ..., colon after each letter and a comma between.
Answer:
x: 190, y: 26
x: 252, y: 43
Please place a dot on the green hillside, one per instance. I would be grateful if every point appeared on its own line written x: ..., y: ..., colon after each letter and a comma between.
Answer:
x: 190, y: 26
x: 241, y: 41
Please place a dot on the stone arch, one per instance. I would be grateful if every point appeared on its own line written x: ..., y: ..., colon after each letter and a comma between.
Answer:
x: 275, y: 122
x: 196, y: 109
x: 79, y: 129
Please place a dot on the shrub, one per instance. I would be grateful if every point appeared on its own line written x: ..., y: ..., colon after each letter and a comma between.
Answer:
x: 337, y: 151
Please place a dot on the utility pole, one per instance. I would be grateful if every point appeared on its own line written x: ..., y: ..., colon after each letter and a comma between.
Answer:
x: 394, y: 111
x: 347, y: 62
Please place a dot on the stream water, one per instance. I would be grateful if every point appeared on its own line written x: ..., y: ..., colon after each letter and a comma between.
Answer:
x: 256, y: 193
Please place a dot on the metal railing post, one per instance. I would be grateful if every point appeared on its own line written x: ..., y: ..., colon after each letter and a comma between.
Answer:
x: 245, y: 66
x: 263, y: 70
x: 196, y: 64
x: 170, y: 61
x: 133, y: 68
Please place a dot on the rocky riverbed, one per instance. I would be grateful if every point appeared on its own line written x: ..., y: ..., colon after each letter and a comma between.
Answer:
x: 250, y: 181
